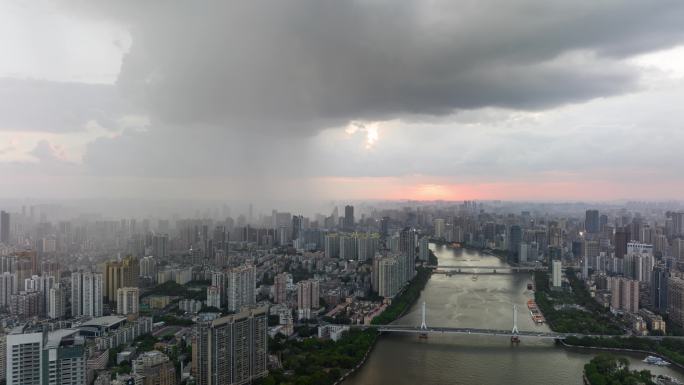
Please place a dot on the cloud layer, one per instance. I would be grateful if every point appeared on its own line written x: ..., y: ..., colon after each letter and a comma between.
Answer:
x: 260, y: 93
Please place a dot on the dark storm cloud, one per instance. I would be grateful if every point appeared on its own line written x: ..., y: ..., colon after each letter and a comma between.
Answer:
x: 39, y: 105
x: 298, y: 66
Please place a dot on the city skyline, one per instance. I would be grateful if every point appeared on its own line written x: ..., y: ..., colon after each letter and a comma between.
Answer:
x: 446, y: 100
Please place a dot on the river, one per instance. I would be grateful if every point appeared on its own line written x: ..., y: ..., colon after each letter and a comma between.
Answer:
x: 461, y: 301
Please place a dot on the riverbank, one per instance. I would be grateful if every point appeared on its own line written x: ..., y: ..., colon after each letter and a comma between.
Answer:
x: 622, y: 350
x: 327, y: 362
x: 406, y: 299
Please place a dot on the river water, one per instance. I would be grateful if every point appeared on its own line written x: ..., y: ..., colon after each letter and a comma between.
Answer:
x: 485, y: 302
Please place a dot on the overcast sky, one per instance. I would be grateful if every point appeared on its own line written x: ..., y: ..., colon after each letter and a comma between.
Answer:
x: 315, y: 99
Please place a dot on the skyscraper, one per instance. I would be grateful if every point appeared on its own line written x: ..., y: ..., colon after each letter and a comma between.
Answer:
x: 241, y: 287
x: 86, y: 294
x: 232, y: 349
x: 622, y: 237
x: 659, y: 281
x: 591, y: 222
x: 407, y: 245
x: 514, y: 240
x: 349, y: 218
x: 4, y: 227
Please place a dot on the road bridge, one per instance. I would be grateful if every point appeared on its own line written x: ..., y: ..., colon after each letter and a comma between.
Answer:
x: 514, y: 334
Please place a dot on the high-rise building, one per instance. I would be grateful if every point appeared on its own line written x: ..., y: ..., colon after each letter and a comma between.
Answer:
x: 591, y: 222
x: 367, y: 246
x: 280, y: 288
x: 424, y: 249
x: 232, y: 349
x: 241, y: 287
x: 384, y: 227
x: 148, y: 267
x: 119, y: 274
x: 214, y: 296
x: 622, y: 238
x: 4, y: 227
x: 26, y: 304
x: 440, y: 225
x: 159, y: 245
x: 8, y: 286
x: 154, y: 368
x: 332, y: 246
x: 675, y: 300
x: 308, y: 295
x: 55, y: 358
x: 678, y: 223
x: 24, y: 359
x: 408, y: 242
x: 349, y: 218
x: 56, y: 302
x: 390, y: 276
x: 86, y: 294
x: 659, y: 282
x: 556, y: 272
x: 514, y: 240
x: 624, y: 294
x: 128, y: 300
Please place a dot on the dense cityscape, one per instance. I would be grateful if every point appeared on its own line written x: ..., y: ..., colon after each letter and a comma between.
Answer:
x: 252, y: 299
x: 442, y: 192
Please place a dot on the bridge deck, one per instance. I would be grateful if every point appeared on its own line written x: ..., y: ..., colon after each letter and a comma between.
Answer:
x: 486, y: 332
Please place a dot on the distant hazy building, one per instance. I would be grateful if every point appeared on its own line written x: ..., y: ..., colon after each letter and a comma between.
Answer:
x: 440, y: 226
x: 232, y: 349
x: 332, y: 246
x: 160, y: 245
x: 349, y: 218
x: 622, y: 237
x: 4, y: 227
x: 591, y: 222
x: 514, y: 241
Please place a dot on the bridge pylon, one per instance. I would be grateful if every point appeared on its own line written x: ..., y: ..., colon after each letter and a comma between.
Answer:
x: 423, y: 324
x: 515, y: 332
